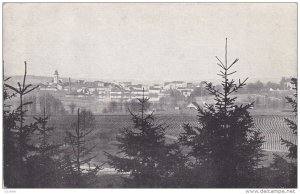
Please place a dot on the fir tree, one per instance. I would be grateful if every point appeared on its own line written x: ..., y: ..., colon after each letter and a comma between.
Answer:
x: 283, y: 170
x: 292, y: 124
x: 226, y: 149
x: 30, y: 160
x: 10, y: 119
x: 145, y: 154
x: 18, y: 135
x: 80, y: 155
x: 46, y: 164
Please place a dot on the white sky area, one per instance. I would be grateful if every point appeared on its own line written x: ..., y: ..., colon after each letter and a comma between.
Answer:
x: 149, y: 41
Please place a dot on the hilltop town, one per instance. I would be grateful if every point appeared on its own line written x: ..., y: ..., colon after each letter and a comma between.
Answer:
x: 105, y: 96
x: 121, y: 91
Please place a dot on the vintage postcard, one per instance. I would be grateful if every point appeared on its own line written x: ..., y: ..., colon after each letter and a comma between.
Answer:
x: 150, y: 95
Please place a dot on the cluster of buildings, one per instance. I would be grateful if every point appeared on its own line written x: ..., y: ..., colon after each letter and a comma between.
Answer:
x: 127, y: 91
x: 121, y: 91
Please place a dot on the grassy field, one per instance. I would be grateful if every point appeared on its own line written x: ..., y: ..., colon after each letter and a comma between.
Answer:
x: 273, y: 128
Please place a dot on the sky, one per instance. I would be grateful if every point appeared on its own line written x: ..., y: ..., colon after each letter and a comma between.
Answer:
x: 139, y: 41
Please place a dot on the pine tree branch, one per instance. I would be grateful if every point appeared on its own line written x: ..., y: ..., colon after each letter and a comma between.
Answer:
x: 31, y: 89
x: 236, y: 60
x: 222, y: 65
x: 11, y: 87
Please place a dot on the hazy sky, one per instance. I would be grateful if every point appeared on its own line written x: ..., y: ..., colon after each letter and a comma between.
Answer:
x: 149, y: 41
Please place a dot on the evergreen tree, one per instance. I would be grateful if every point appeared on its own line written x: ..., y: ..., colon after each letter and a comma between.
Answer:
x: 10, y: 119
x: 292, y: 124
x: 226, y: 149
x: 46, y: 164
x: 80, y: 155
x: 283, y: 170
x: 145, y: 154
x: 17, y: 136
x: 30, y: 160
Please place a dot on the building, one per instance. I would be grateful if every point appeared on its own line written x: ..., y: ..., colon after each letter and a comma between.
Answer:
x: 138, y: 93
x: 190, y: 85
x: 59, y: 86
x: 47, y: 87
x: 179, y: 84
x: 173, y: 85
x: 80, y: 81
x: 169, y: 86
x: 55, y: 85
x: 55, y: 78
x: 116, y: 94
x: 125, y: 84
x: 186, y: 92
x: 154, y: 90
x: 99, y: 83
x: 127, y: 95
x: 157, y: 86
x: 202, y: 84
x: 287, y: 85
x: 193, y: 105
x: 135, y: 87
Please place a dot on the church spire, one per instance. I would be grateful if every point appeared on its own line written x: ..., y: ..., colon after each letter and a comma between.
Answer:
x: 55, y: 79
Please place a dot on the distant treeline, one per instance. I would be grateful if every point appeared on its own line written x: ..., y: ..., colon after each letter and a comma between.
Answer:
x: 46, y: 101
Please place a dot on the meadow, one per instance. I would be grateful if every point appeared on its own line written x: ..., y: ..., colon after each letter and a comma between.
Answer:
x: 273, y: 128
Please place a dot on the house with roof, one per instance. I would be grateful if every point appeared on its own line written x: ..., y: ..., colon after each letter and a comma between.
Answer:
x: 80, y: 81
x: 135, y: 87
x: 190, y: 85
x: 116, y: 94
x: 186, y: 92
x: 169, y: 86
x: 59, y: 86
x: 99, y: 83
x: 125, y: 84
x: 138, y: 93
x: 179, y: 84
x: 47, y: 87
x: 193, y: 105
x: 173, y: 85
x: 157, y: 86
x: 154, y: 90
x: 202, y: 84
x: 126, y: 95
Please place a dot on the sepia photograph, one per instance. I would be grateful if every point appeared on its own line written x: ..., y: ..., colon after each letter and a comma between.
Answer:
x: 150, y: 95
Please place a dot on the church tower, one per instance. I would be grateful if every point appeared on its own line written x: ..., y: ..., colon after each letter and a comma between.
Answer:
x: 55, y: 79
